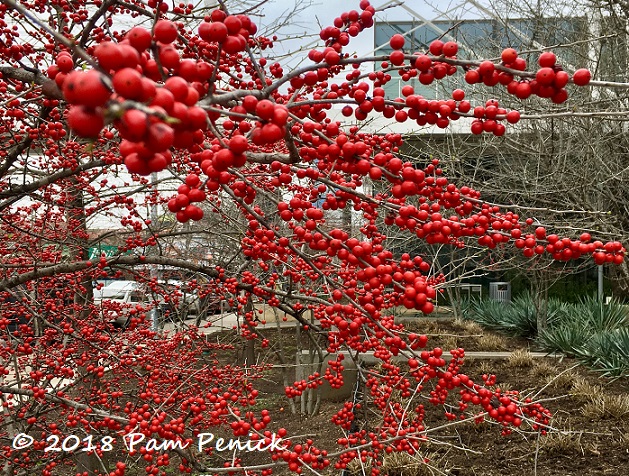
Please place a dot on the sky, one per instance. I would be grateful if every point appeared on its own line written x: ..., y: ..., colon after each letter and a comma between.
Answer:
x: 319, y: 13
x: 302, y: 28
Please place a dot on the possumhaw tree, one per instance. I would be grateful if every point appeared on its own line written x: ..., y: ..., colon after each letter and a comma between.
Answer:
x: 188, y: 95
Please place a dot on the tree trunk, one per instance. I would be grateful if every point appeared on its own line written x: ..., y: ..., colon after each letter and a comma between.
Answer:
x: 540, y: 284
x: 248, y: 355
x: 86, y: 463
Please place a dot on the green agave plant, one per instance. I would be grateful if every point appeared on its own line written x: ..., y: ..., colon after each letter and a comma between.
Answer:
x: 594, y: 332
x: 567, y: 339
x: 599, y: 316
x: 518, y: 317
x: 486, y: 312
x: 608, y: 351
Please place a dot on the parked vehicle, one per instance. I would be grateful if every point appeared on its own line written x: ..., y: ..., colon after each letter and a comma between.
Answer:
x: 173, y: 300
x: 12, y: 315
x: 118, y: 290
x: 119, y: 297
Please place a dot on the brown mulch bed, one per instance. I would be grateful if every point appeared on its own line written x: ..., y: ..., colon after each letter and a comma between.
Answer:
x: 590, y: 433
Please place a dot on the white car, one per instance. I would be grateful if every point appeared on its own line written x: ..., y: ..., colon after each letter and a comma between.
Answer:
x: 121, y: 296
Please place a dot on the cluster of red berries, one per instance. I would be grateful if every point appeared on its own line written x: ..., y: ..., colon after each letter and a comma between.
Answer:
x: 271, y: 126
x: 188, y: 193
x: 232, y: 32
x: 301, y: 386
x: 487, y: 222
x: 434, y: 112
x: 297, y: 455
x: 87, y: 91
x: 334, y: 372
x: 400, y: 427
x: 346, y: 415
x: 565, y: 249
x: 504, y: 407
x: 487, y: 118
x: 171, y: 117
x: 549, y: 82
x: 347, y: 25
x: 414, y: 290
x: 429, y: 68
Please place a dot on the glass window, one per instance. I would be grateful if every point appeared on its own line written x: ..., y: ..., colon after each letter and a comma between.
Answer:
x: 136, y: 296
x: 481, y: 39
x: 120, y: 295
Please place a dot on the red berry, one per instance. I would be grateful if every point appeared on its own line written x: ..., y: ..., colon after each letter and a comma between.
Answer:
x: 581, y: 77
x: 218, y: 15
x: 165, y: 31
x: 133, y: 125
x: 109, y: 55
x: 216, y: 32
x: 85, y: 121
x: 140, y: 38
x: 397, y: 42
x: 600, y: 257
x: 458, y: 94
x: 280, y: 115
x: 249, y: 103
x: 265, y: 109
x: 128, y: 83
x: 396, y: 58
x: 450, y: 48
x: 158, y: 162
x: 519, y: 64
x: 523, y: 90
x: 86, y: 88
x: 193, y: 212
x: 547, y: 59
x: 477, y: 127
x: 223, y: 159
x: 178, y: 86
x: 545, y: 76
x: 160, y: 137
x: 436, y: 48
x: 182, y: 200
x: 196, y: 195
x: 513, y: 117
x: 472, y: 76
x: 164, y: 99
x: 65, y: 63
x: 192, y: 180
x: 234, y: 44
x: 560, y: 96
x: 197, y: 118
x: 509, y: 55
x: 238, y: 144
x: 169, y: 57
x: 233, y: 24
x: 148, y: 90
x: 271, y: 133
x: 172, y: 205
x: 407, y: 90
x: 136, y: 165
x: 486, y: 68
x: 130, y: 58
x: 561, y: 79
x: 423, y: 63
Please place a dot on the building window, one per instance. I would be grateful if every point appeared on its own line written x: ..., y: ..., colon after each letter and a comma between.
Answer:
x: 481, y: 39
